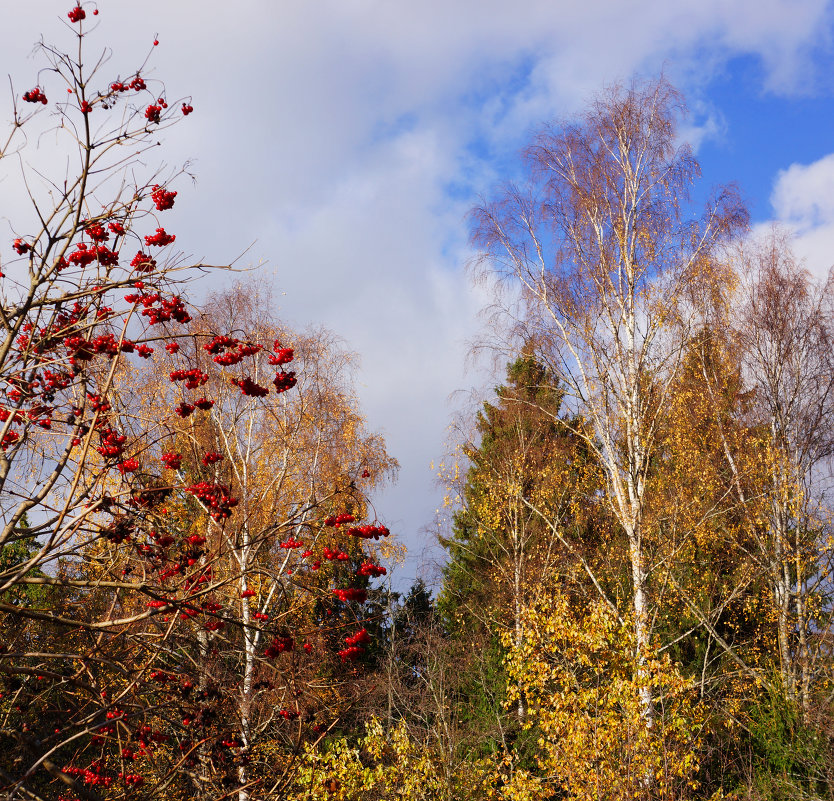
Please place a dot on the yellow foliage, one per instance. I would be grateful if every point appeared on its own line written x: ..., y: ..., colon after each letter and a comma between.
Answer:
x: 381, y: 766
x: 577, y: 675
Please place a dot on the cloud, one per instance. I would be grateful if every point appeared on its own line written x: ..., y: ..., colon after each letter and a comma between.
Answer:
x: 802, y: 195
x: 802, y: 200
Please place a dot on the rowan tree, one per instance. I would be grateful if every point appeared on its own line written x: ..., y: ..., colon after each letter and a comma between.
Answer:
x: 126, y: 582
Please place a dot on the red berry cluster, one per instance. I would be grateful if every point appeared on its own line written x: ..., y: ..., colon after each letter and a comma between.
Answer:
x: 232, y: 743
x: 355, y: 645
x: 77, y: 14
x: 35, y: 96
x: 282, y: 355
x: 107, y: 257
x: 160, y: 238
x: 137, y: 84
x: 228, y: 351
x: 112, y: 443
x: 369, y: 532
x: 184, y: 409
x: 80, y: 348
x: 249, y: 387
x: 371, y: 570
x: 218, y: 343
x: 291, y: 544
x: 337, y: 520
x: 211, y: 457
x: 97, y: 232
x: 98, y: 404
x: 169, y: 308
x: 351, y: 594
x: 216, y: 497
x: 186, y: 109
x: 278, y: 646
x: 91, y: 775
x: 171, y: 460
x: 221, y: 343
x: 284, y: 381
x: 361, y: 637
x: 162, y: 198
x: 228, y: 359
x: 21, y: 247
x: 193, y: 378
x: 337, y: 555
x: 143, y: 263
x: 82, y: 255
x: 128, y: 466
x: 9, y: 439
x: 248, y: 594
x: 248, y: 348
x: 351, y: 653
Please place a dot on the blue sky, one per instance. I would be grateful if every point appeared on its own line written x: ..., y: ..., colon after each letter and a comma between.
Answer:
x: 764, y: 132
x: 346, y: 140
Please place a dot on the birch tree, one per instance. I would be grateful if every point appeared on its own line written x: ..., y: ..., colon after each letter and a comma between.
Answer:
x: 610, y: 264
x: 785, y: 331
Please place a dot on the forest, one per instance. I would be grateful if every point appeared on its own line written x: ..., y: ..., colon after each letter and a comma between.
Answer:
x: 636, y: 598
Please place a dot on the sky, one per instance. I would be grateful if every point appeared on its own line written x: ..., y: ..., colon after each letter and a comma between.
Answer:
x: 338, y: 146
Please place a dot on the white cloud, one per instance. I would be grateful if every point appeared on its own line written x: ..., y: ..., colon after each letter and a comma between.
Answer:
x: 802, y: 194
x: 803, y: 201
